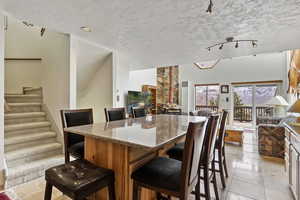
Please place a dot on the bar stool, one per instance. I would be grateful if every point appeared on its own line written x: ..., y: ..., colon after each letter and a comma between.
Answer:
x: 220, y: 158
x: 74, y: 143
x: 172, y: 177
x: 206, y: 166
x: 114, y: 114
x: 79, y: 179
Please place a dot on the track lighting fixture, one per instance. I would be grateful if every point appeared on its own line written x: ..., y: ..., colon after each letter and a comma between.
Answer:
x: 27, y: 24
x: 232, y: 40
x: 237, y: 44
x: 43, y: 31
x: 210, y: 6
x: 254, y: 44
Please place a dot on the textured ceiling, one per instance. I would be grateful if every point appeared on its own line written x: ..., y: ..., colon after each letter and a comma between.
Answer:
x: 169, y: 31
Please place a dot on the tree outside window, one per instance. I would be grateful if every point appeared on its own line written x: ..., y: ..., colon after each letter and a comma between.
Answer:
x: 207, y: 95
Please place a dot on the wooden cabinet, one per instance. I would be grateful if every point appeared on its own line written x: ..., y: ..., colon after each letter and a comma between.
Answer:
x: 292, y: 160
x: 152, y: 90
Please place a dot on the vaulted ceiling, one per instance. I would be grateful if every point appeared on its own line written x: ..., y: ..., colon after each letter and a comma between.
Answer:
x: 167, y: 32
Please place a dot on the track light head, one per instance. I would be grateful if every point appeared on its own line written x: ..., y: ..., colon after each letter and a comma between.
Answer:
x: 237, y: 44
x: 208, y: 48
x: 254, y: 44
x: 221, y: 46
x: 210, y: 6
x: 43, y: 31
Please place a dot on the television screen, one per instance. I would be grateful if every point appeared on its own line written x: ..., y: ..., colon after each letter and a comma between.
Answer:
x: 138, y: 99
x: 135, y: 99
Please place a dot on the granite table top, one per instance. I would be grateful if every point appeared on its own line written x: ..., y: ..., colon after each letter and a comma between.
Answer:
x: 148, y: 132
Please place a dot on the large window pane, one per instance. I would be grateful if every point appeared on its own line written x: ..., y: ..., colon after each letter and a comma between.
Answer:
x: 207, y: 95
x: 212, y: 95
x: 264, y: 93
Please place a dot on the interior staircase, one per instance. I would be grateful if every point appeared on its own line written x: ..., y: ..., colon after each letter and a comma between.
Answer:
x: 30, y: 143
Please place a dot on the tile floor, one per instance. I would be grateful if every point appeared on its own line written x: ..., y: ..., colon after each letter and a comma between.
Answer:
x: 251, y: 177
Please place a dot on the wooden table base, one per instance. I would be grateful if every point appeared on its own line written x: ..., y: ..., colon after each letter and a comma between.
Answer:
x: 123, y: 160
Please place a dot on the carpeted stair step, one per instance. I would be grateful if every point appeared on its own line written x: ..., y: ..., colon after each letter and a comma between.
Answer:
x: 31, y: 151
x: 29, y: 171
x: 30, y: 90
x: 16, y: 127
x: 24, y: 107
x: 37, y: 137
x: 23, y: 98
x: 28, y: 117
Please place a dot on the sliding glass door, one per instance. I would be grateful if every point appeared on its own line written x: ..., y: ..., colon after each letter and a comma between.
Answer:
x: 243, y: 103
x: 250, y: 102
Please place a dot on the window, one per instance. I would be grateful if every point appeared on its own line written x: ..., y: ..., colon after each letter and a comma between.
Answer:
x: 207, y: 95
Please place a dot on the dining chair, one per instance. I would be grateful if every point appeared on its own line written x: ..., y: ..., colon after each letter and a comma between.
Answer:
x: 173, y: 177
x: 220, y: 157
x: 74, y: 143
x: 206, y: 166
x: 114, y: 114
x: 79, y: 179
x: 138, y: 112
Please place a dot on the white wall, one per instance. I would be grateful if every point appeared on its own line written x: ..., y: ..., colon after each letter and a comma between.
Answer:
x: 94, y: 76
x: 98, y: 94
x: 139, y: 78
x: 264, y: 67
x: 22, y: 42
x: 55, y: 75
x: 121, y: 70
x: 2, y: 40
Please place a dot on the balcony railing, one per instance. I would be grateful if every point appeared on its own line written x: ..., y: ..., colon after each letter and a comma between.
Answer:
x: 212, y: 108
x: 244, y: 113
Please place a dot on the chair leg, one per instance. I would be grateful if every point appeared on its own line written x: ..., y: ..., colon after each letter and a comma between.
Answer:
x: 111, y: 191
x: 221, y: 168
x: 197, y: 190
x: 216, y: 187
x: 214, y: 180
x: 158, y: 196
x: 224, y: 163
x: 48, y: 191
x: 136, y: 191
x: 206, y: 183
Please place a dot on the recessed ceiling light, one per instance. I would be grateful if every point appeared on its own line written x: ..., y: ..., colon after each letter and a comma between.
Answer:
x: 86, y: 29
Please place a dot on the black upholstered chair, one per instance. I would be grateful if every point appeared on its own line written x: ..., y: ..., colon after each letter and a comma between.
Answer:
x: 207, y: 164
x: 138, y: 112
x: 74, y: 143
x: 114, y: 114
x: 173, y: 177
x: 78, y: 180
x: 220, y: 157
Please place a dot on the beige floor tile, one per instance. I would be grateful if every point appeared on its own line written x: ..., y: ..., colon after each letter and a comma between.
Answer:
x: 249, y: 177
x: 246, y: 189
x: 273, y: 194
x: 234, y: 196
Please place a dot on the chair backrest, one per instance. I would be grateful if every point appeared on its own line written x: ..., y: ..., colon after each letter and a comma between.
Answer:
x: 222, y: 129
x: 138, y: 112
x: 75, y: 118
x: 114, y: 114
x: 207, y: 152
x: 191, y: 156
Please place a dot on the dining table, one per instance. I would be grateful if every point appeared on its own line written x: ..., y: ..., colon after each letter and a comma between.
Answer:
x: 126, y: 145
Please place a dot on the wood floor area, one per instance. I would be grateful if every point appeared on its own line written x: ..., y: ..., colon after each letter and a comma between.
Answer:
x: 251, y: 177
